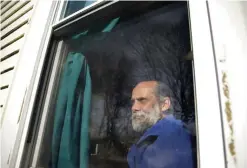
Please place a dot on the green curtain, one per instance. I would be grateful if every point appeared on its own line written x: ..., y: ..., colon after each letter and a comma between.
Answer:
x: 70, y: 141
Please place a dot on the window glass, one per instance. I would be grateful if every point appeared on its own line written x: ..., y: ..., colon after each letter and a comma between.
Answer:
x: 74, y: 6
x: 125, y: 94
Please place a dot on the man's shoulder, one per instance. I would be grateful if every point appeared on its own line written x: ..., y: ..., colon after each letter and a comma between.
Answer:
x: 165, y: 130
x: 170, y: 127
x: 170, y: 132
x: 174, y: 129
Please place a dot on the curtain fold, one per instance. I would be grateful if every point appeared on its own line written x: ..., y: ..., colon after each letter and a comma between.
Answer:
x: 70, y: 139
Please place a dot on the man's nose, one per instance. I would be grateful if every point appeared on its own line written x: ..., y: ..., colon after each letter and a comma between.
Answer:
x: 135, y: 107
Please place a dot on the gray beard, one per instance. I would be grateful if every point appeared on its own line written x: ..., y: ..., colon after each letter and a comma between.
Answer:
x: 141, y: 120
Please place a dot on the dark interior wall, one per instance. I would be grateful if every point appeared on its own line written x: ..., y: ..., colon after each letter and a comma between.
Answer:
x: 151, y: 46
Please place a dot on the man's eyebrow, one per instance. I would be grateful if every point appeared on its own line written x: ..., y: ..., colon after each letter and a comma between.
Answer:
x: 141, y: 98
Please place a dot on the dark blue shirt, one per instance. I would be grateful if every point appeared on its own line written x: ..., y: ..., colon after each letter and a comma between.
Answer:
x: 166, y: 144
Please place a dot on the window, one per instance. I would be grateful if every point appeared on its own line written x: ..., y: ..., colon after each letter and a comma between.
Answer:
x: 74, y: 6
x: 116, y: 77
x: 89, y: 119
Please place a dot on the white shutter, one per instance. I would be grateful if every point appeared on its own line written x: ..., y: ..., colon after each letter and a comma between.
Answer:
x: 15, y: 16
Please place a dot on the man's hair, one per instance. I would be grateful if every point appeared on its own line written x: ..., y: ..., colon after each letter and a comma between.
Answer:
x: 162, y: 90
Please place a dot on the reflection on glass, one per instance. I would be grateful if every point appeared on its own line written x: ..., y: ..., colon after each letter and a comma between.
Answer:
x: 74, y: 6
x: 125, y: 95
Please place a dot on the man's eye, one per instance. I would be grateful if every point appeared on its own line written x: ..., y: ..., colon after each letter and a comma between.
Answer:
x: 142, y: 100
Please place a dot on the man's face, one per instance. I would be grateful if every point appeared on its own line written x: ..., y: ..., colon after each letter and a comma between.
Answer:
x: 145, y: 106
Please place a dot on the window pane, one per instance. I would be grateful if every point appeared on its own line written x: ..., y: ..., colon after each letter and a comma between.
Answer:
x: 74, y: 6
x: 125, y: 94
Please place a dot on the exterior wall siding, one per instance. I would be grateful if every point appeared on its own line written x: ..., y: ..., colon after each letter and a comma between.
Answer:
x: 15, y: 19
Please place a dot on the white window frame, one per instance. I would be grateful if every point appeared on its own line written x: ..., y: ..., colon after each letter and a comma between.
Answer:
x: 209, y: 120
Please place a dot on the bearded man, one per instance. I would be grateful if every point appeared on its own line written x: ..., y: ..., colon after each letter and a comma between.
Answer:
x: 165, y: 143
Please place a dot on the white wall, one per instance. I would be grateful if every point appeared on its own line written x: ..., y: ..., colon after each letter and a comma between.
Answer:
x: 229, y: 26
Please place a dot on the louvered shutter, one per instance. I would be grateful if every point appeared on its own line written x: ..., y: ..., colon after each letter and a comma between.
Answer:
x: 15, y: 17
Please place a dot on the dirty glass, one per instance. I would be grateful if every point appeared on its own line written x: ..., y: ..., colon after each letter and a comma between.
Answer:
x: 125, y: 94
x: 73, y: 6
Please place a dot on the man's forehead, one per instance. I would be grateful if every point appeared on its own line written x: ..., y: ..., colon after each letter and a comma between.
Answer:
x: 147, y: 84
x: 144, y: 89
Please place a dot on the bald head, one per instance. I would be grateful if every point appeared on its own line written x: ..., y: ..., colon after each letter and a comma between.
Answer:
x: 146, y: 84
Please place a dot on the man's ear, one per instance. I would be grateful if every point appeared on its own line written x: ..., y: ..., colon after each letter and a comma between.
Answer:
x: 165, y: 103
